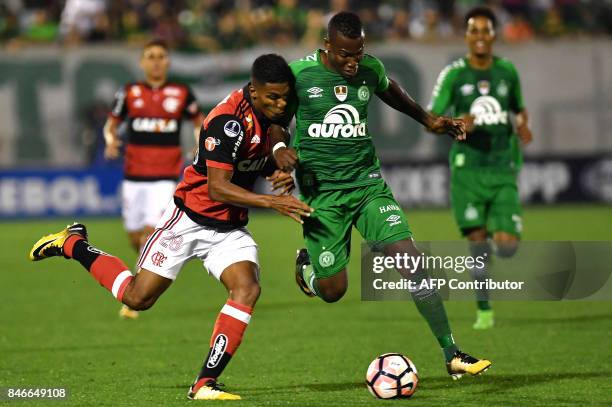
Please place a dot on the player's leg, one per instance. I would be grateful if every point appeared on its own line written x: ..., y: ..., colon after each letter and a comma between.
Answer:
x: 232, y: 260
x: 139, y: 292
x: 505, y: 220
x: 321, y: 267
x: 383, y: 224
x: 470, y: 195
x: 153, y: 198
x: 132, y: 211
x: 430, y: 305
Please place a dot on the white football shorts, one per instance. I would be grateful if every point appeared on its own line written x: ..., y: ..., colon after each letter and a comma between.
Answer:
x: 144, y: 203
x: 177, y: 239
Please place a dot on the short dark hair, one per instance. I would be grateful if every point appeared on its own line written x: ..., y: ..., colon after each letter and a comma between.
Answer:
x: 157, y: 42
x: 271, y: 68
x: 481, y: 12
x: 346, y: 23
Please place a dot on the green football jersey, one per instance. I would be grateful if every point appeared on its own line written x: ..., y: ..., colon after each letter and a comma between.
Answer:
x: 332, y: 140
x: 489, y: 95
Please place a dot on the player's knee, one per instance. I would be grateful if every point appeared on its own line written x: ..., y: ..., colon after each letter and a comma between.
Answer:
x: 507, y: 249
x: 246, y: 293
x: 332, y: 294
x: 139, y: 302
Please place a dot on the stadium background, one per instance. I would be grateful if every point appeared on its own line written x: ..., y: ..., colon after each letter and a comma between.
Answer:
x: 62, y: 61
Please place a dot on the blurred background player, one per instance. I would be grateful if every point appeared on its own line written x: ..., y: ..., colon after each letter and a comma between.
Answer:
x: 207, y: 218
x: 339, y: 174
x: 482, y: 89
x: 154, y: 110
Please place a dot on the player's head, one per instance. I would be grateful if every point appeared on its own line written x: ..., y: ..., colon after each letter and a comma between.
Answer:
x: 271, y: 85
x: 155, y: 61
x: 344, y: 43
x: 480, y: 23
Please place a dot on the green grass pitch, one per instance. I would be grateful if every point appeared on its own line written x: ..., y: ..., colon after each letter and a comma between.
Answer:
x: 58, y: 328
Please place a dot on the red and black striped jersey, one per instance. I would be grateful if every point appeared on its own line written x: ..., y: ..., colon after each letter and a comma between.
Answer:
x: 154, y: 117
x: 235, y: 137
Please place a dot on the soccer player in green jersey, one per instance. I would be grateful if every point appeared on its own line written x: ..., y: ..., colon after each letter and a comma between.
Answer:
x: 482, y: 89
x: 339, y: 173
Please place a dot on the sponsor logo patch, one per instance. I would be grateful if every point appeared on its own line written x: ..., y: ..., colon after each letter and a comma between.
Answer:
x: 488, y: 111
x: 255, y: 139
x: 252, y: 165
x: 340, y: 121
x: 232, y: 128
x: 341, y: 92
x: 136, y: 91
x: 150, y: 125
x: 210, y: 143
x: 171, y: 91
x: 218, y: 349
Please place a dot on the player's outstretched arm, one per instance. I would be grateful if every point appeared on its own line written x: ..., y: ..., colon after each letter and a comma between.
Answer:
x: 399, y: 99
x: 221, y: 189
x: 111, y: 138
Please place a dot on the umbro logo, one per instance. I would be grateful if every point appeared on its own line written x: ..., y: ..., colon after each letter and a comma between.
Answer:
x: 394, y: 220
x: 315, y: 92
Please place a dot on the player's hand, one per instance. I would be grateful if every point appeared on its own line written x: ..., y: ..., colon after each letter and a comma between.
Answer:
x: 112, y: 149
x: 286, y: 158
x: 468, y: 119
x: 524, y: 133
x: 454, y: 127
x: 289, y: 205
x: 282, y: 181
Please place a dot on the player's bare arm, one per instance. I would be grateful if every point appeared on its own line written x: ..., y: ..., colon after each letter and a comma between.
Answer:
x: 399, y: 99
x: 111, y: 139
x: 522, y: 127
x: 285, y: 157
x: 221, y: 189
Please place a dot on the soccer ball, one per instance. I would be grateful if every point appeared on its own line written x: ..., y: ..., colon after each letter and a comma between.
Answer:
x: 392, y: 376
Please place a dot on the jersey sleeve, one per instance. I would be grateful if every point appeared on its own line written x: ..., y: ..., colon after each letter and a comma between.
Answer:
x: 376, y: 64
x: 119, y: 107
x: 442, y: 94
x: 191, y: 109
x: 221, y: 142
x: 516, y: 94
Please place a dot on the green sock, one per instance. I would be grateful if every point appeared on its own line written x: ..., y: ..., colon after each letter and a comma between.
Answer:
x: 483, y: 305
x: 430, y: 305
x: 309, y: 277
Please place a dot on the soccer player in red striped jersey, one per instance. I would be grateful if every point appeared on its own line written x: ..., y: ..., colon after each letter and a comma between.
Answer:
x: 153, y: 110
x: 207, y: 218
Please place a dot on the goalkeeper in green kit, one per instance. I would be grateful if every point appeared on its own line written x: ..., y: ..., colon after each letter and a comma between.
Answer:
x: 339, y: 174
x: 482, y: 89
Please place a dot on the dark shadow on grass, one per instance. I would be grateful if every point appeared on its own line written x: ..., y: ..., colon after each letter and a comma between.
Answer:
x: 502, y: 383
x: 318, y: 387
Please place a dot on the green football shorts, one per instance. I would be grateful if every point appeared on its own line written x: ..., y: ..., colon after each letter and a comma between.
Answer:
x: 372, y: 209
x: 488, y: 198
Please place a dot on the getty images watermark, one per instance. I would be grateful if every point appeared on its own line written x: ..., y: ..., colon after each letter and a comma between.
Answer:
x: 535, y: 271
